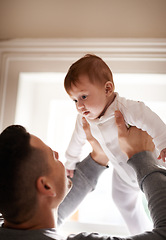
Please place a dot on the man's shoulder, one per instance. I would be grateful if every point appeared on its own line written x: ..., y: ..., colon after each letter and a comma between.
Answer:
x: 39, y: 234
x: 89, y: 236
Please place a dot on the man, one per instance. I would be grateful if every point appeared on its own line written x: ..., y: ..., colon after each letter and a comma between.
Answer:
x: 33, y: 183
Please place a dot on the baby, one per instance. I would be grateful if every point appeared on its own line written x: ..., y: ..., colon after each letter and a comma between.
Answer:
x: 89, y: 83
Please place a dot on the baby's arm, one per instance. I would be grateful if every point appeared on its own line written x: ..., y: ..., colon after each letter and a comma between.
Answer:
x: 73, y: 152
x: 139, y: 115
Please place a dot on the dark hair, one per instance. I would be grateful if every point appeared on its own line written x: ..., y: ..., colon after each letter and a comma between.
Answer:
x: 20, y: 166
x: 92, y: 66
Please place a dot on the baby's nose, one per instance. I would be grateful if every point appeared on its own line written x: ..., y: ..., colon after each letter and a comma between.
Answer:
x: 80, y: 105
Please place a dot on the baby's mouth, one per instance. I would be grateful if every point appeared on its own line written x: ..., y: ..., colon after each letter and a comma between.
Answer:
x: 85, y: 113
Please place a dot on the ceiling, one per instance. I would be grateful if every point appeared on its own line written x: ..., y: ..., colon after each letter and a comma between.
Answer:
x: 82, y: 19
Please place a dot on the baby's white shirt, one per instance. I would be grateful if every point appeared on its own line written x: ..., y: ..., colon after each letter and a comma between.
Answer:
x: 105, y: 131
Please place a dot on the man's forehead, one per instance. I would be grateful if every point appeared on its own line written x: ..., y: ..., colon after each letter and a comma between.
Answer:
x: 36, y: 142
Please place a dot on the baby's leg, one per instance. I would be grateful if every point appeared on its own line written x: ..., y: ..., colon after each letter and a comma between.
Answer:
x: 129, y: 202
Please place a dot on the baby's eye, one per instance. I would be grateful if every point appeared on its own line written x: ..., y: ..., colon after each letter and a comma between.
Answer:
x: 84, y: 97
x: 75, y: 100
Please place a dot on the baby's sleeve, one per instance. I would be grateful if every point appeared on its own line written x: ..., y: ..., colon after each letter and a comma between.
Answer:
x: 139, y: 115
x: 78, y: 139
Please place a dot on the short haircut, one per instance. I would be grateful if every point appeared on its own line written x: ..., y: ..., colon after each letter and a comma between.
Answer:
x: 90, y: 65
x: 20, y: 166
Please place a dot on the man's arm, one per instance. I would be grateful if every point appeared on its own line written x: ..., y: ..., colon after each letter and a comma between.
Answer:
x: 84, y: 181
x: 138, y: 146
x: 85, y: 177
x: 153, y: 181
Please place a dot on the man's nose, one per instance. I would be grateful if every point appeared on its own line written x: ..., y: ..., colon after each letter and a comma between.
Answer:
x: 56, y: 155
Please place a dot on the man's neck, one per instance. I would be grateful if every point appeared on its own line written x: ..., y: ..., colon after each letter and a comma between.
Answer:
x: 41, y: 221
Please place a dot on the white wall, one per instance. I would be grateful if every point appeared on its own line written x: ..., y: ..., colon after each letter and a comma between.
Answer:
x: 82, y: 19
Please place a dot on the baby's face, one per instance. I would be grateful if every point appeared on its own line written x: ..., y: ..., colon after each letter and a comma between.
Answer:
x: 90, y: 99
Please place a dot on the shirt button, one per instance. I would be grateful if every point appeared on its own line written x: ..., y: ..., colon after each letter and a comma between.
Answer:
x: 108, y: 144
x: 120, y: 163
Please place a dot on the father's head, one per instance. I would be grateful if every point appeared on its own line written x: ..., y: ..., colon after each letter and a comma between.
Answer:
x: 31, y: 176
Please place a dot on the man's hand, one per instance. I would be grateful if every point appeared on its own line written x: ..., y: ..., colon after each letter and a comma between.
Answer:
x: 97, y: 153
x: 162, y: 155
x: 70, y: 173
x: 132, y: 140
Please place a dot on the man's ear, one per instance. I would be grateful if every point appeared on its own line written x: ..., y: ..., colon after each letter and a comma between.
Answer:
x: 45, y: 187
x: 109, y: 88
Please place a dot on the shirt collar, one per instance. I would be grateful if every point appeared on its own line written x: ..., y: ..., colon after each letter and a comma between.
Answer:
x: 109, y: 114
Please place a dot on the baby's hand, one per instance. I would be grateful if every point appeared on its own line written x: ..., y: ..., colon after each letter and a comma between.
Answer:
x: 162, y: 155
x: 70, y: 173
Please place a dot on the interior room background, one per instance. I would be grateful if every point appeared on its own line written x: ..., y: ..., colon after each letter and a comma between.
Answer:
x: 40, y: 39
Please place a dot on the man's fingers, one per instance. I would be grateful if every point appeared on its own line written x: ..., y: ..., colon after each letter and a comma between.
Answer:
x: 122, y: 129
x: 86, y: 126
x: 87, y: 130
x: 84, y: 122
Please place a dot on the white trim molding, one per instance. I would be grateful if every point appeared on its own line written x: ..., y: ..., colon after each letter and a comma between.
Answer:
x: 56, y: 55
x: 108, y: 48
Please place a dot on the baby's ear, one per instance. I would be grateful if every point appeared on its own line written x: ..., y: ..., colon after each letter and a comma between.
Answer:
x: 109, y: 87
